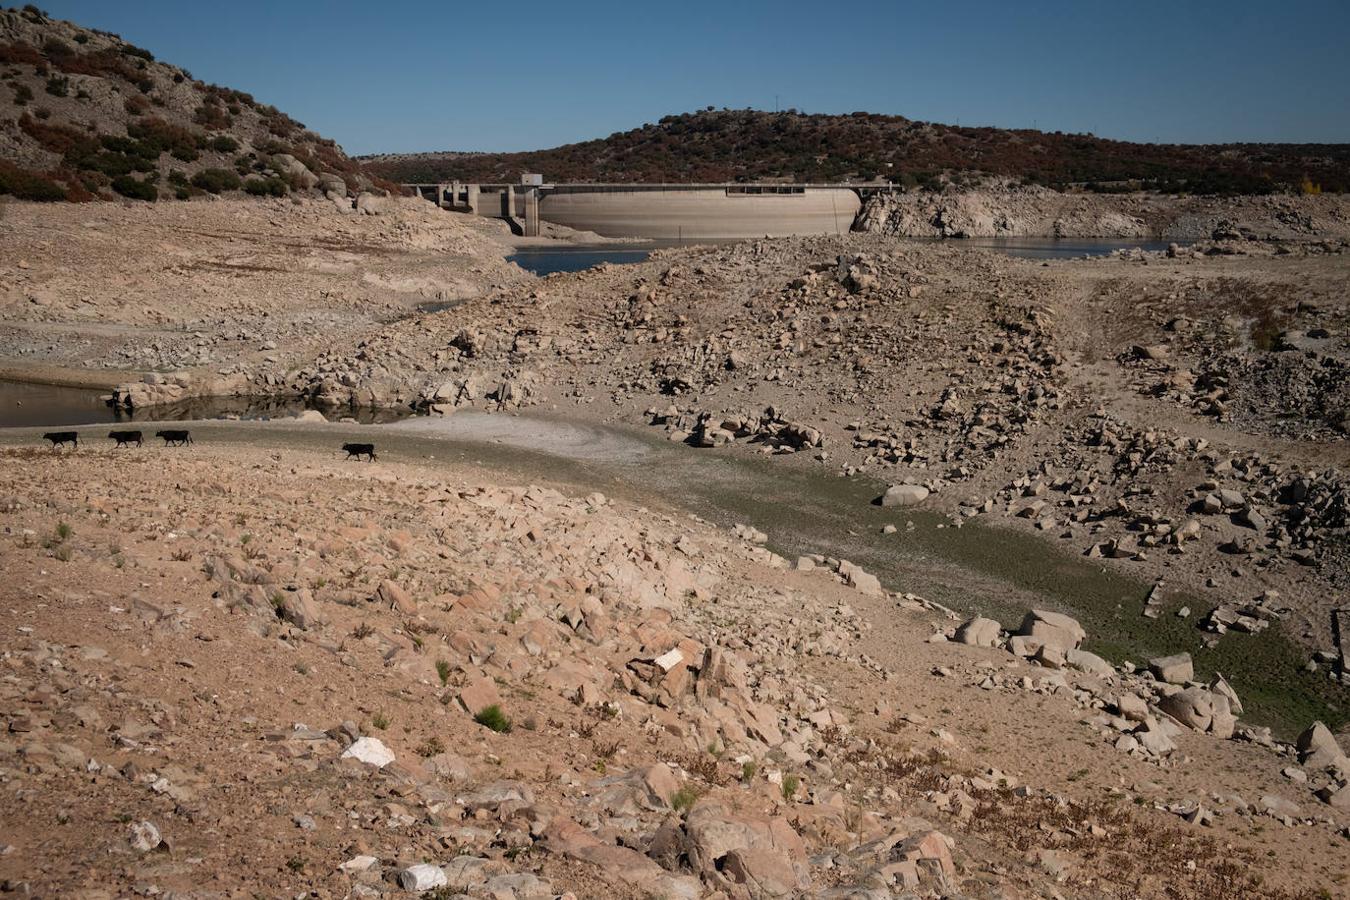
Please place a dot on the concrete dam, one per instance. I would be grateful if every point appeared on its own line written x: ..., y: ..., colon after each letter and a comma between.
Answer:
x: 662, y: 211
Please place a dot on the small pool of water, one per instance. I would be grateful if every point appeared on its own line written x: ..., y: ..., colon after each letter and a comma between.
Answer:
x: 547, y: 260
x: 43, y: 405
x: 1060, y: 248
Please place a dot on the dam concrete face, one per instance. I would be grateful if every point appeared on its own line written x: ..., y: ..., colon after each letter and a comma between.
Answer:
x: 712, y: 213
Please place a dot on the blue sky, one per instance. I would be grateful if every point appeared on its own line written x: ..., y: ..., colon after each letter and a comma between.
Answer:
x: 408, y: 75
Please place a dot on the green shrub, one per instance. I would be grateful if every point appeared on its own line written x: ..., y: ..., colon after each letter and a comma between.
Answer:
x: 216, y: 180
x: 266, y: 187
x: 158, y: 136
x: 790, y: 785
x: 492, y: 717
x: 443, y: 670
x: 134, y: 189
x: 22, y: 94
x: 223, y: 143
x: 684, y: 799
x: 24, y: 185
x: 58, y: 86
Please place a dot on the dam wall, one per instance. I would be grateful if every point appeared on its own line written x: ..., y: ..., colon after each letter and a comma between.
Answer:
x: 707, y: 213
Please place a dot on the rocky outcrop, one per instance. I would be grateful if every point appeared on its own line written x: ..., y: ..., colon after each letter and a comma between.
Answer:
x: 1005, y: 209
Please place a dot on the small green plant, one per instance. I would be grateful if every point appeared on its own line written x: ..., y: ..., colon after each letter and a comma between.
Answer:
x: 295, y: 864
x: 63, y: 531
x: 748, y: 769
x: 790, y: 785
x: 302, y: 668
x: 513, y: 616
x: 684, y: 799
x: 443, y: 670
x: 182, y: 554
x: 245, y: 538
x: 62, y: 553
x: 380, y: 721
x: 492, y: 717
x: 362, y: 631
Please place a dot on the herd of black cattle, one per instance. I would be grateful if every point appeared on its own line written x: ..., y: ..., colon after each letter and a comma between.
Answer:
x: 179, y: 437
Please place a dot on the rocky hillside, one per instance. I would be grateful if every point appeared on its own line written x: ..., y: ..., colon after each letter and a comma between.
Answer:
x: 1004, y: 208
x: 84, y: 115
x: 742, y: 145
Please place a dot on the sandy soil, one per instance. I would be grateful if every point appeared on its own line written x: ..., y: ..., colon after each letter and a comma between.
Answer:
x: 186, y: 630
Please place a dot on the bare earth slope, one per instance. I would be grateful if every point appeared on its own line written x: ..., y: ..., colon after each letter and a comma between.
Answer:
x: 230, y: 294
x: 256, y: 668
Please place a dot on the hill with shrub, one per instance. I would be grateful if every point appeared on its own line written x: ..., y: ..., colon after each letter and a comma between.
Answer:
x: 85, y: 115
x: 747, y: 145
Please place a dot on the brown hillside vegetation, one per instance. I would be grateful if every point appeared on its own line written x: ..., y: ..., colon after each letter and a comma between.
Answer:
x: 745, y: 145
x: 84, y: 114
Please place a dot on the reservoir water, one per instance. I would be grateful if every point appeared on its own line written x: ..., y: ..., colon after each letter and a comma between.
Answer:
x: 43, y: 405
x: 547, y: 260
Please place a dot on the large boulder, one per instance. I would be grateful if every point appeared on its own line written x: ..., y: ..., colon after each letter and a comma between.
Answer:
x: 1192, y: 707
x: 1175, y: 669
x: 294, y: 170
x: 903, y: 495
x: 368, y: 204
x: 1053, y: 629
x: 712, y: 834
x: 979, y: 632
x: 298, y: 607
x: 1317, y: 747
x: 1152, y: 737
x: 332, y: 183
x: 1091, y: 663
x: 1201, y: 709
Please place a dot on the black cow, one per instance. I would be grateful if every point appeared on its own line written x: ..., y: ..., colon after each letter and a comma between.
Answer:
x: 179, y: 436
x: 360, y: 450
x: 63, y: 437
x: 126, y: 438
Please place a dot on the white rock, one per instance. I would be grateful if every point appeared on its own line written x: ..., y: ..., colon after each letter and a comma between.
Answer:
x: 370, y: 751
x: 358, y: 864
x: 667, y: 661
x: 145, y: 837
x: 422, y: 877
